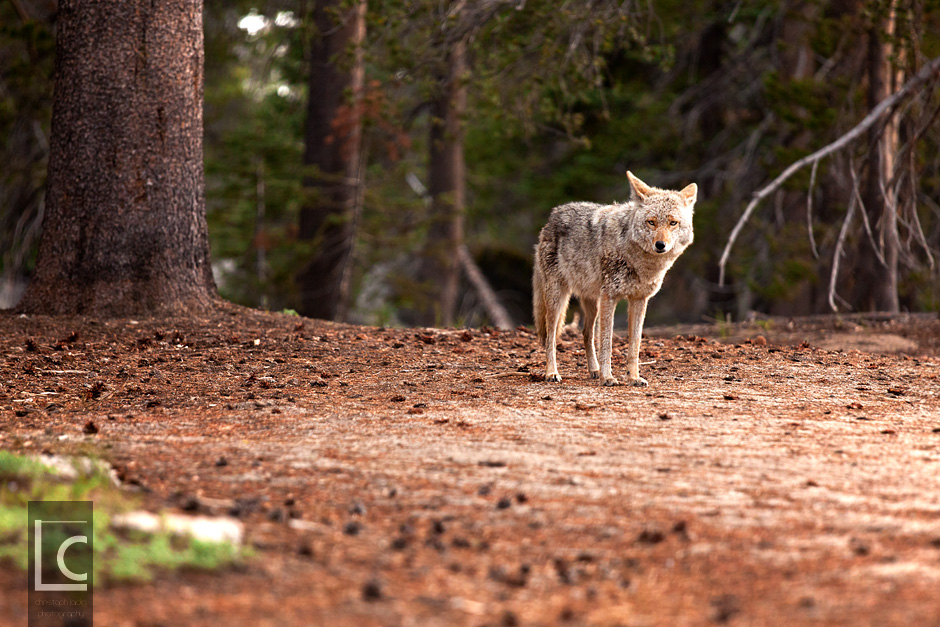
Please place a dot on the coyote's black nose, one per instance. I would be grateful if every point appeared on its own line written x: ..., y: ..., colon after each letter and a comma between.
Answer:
x: 660, y: 247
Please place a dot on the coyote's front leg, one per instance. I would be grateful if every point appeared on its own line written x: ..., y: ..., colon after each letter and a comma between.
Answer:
x: 606, y: 306
x: 635, y: 323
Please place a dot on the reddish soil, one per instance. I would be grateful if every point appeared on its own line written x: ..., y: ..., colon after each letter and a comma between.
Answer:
x: 782, y: 473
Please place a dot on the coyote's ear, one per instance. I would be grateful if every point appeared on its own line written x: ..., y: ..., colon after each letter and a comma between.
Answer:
x: 640, y: 189
x: 689, y: 194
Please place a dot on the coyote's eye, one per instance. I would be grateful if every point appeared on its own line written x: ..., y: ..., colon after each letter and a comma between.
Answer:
x: 673, y: 223
x: 651, y: 222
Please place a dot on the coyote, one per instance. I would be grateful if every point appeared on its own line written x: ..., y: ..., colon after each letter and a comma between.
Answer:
x: 602, y: 254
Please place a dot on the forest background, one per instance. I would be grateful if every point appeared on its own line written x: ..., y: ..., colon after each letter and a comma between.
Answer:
x: 527, y: 105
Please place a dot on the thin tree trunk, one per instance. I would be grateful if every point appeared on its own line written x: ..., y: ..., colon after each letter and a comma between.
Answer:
x: 878, y: 284
x: 260, y: 239
x: 797, y: 64
x: 125, y: 229
x: 439, y: 273
x: 333, y: 145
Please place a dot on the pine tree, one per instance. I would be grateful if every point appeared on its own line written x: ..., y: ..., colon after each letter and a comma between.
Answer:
x: 124, y: 231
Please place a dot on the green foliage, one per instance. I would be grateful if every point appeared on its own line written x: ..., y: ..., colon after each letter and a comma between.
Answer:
x: 561, y: 102
x: 253, y: 151
x: 137, y: 556
x: 119, y: 556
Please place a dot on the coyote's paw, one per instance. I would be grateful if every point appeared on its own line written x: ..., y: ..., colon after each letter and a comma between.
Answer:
x: 553, y: 378
x: 595, y: 374
x: 639, y: 382
x: 611, y: 381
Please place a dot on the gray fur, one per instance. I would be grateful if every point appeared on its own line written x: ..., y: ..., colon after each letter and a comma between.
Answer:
x: 603, y: 254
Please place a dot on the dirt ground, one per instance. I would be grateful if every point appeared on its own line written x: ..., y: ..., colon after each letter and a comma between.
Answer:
x: 773, y: 473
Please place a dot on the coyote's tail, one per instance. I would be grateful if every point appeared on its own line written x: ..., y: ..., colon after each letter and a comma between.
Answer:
x: 539, y: 308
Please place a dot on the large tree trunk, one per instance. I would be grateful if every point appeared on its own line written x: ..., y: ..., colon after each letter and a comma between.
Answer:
x: 125, y: 229
x: 333, y: 154
x: 439, y: 273
x: 877, y: 288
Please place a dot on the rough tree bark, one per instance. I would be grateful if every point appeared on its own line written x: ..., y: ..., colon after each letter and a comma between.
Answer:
x: 439, y: 272
x: 333, y: 154
x: 125, y: 230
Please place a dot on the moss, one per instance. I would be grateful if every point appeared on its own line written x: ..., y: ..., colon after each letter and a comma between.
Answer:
x: 119, y: 556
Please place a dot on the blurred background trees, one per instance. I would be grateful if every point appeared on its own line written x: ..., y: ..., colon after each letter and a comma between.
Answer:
x: 27, y: 49
x: 332, y: 155
x: 471, y: 120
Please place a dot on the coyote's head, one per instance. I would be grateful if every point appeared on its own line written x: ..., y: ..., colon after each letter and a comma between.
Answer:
x: 662, y: 218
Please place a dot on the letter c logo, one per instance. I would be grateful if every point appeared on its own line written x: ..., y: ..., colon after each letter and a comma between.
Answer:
x: 60, y: 558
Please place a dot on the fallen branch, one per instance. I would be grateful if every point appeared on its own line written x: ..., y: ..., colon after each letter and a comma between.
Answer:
x: 64, y: 371
x: 494, y: 309
x: 930, y: 70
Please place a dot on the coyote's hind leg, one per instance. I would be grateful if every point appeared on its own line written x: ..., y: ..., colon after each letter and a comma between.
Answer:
x: 557, y: 304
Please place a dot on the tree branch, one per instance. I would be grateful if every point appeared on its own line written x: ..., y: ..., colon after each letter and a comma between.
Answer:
x: 837, y: 255
x: 21, y: 10
x: 877, y: 248
x: 494, y: 309
x: 809, y: 211
x: 928, y: 71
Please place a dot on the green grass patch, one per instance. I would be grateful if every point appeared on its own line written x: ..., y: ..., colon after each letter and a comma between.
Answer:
x: 120, y: 556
